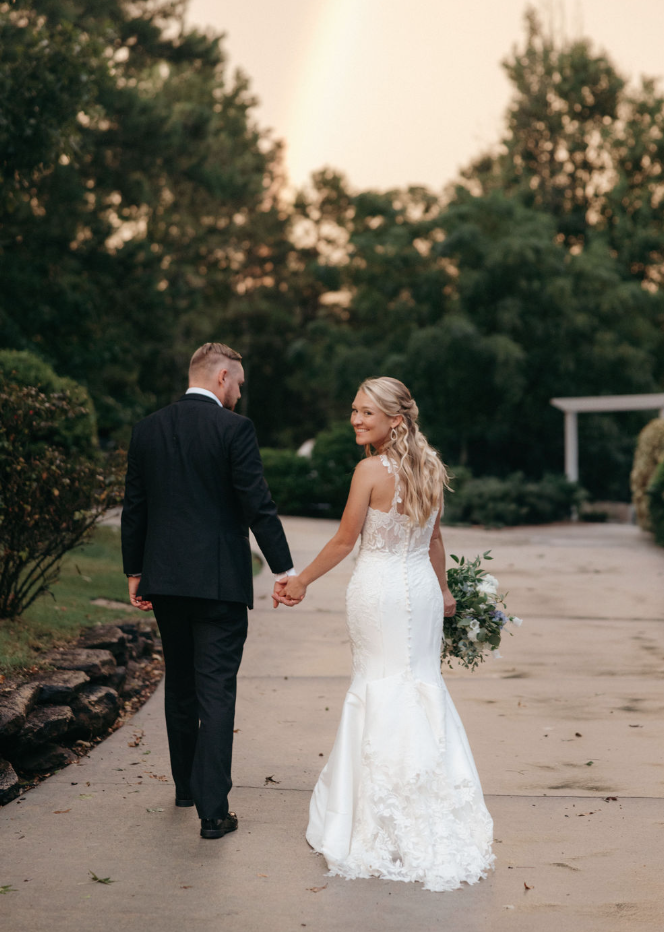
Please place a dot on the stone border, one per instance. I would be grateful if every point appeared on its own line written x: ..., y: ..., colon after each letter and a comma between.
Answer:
x: 93, y: 687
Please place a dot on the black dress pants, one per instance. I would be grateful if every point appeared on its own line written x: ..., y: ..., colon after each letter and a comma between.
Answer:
x: 203, y: 641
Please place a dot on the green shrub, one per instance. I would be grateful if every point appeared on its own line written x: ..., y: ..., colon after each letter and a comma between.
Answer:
x: 50, y: 497
x: 76, y: 431
x: 334, y: 458
x: 515, y: 500
x: 656, y: 504
x: 316, y: 485
x: 291, y: 480
x: 649, y: 454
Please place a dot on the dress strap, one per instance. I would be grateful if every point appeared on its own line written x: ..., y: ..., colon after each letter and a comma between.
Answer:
x: 393, y: 470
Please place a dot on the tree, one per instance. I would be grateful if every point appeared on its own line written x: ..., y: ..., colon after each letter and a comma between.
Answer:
x: 153, y: 223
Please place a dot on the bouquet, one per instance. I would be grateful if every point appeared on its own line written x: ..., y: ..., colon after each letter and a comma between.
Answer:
x: 477, y: 627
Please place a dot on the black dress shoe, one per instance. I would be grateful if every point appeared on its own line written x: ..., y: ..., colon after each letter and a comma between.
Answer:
x: 183, y: 802
x: 217, y: 828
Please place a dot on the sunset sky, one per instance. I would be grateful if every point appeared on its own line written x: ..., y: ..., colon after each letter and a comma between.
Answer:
x: 398, y: 92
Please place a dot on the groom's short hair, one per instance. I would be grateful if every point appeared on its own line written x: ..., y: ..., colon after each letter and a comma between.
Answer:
x: 209, y: 356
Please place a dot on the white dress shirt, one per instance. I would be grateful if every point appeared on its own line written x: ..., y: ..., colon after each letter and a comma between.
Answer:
x: 204, y: 391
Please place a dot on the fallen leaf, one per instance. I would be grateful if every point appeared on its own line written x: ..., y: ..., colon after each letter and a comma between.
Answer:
x: 235, y: 731
x: 636, y: 726
x: 526, y: 886
x: 86, y: 795
x: 271, y: 780
x: 155, y: 776
x: 138, y: 737
x: 60, y: 811
x: 7, y: 888
x: 577, y: 734
x: 261, y: 875
x: 589, y: 763
x: 316, y: 889
x: 186, y: 886
x: 610, y: 799
x: 157, y: 809
x: 96, y: 879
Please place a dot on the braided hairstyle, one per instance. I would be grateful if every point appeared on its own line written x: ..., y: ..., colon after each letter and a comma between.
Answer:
x: 422, y: 473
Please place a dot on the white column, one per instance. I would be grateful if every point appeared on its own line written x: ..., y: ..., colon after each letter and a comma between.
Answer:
x: 571, y: 446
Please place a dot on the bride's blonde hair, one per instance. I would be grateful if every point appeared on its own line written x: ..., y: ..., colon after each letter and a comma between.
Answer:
x: 421, y: 472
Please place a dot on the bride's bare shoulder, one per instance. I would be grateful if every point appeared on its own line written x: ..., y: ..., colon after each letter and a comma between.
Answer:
x: 372, y: 470
x: 370, y: 466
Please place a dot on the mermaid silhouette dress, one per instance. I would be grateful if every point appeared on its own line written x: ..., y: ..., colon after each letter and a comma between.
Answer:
x: 400, y: 797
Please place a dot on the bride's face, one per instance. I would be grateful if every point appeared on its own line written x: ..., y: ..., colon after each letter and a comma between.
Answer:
x: 370, y: 424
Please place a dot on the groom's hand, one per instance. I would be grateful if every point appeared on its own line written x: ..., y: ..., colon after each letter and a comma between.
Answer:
x: 279, y: 595
x: 136, y: 600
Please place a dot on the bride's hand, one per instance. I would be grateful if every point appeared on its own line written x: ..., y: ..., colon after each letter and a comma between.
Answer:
x: 450, y: 603
x: 294, y: 589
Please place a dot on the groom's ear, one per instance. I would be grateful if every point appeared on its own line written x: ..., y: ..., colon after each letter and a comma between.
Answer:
x: 221, y: 375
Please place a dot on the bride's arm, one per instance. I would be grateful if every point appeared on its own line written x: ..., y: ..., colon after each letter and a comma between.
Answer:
x: 437, y: 557
x: 343, y: 541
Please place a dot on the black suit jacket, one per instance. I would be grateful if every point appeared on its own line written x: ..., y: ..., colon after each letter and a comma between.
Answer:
x: 194, y: 487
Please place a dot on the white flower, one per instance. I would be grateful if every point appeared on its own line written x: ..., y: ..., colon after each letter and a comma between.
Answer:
x: 488, y: 584
x: 473, y: 628
x: 516, y: 621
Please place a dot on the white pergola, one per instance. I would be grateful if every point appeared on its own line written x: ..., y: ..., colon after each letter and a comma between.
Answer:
x: 593, y: 404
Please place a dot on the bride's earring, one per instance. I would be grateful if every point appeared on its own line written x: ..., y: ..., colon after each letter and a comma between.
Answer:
x: 393, y: 435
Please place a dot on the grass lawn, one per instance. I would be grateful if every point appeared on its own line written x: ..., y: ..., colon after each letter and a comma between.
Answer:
x: 93, y: 571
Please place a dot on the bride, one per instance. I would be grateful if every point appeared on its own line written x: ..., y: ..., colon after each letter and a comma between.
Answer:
x: 400, y: 797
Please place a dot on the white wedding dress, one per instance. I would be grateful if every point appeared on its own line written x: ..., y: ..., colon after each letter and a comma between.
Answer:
x: 400, y: 797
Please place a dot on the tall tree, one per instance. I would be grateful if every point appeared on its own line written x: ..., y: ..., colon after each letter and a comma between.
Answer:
x: 154, y: 221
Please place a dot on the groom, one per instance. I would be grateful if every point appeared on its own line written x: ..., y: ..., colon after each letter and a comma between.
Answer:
x: 194, y: 487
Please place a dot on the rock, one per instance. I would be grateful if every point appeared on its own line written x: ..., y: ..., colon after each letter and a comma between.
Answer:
x: 139, y: 647
x: 106, y: 637
x: 46, y: 758
x: 130, y: 628
x: 58, y: 688
x: 96, y: 707
x: 133, y: 683
x: 45, y: 724
x: 98, y: 664
x: 15, y: 708
x: 117, y: 680
x: 9, y: 783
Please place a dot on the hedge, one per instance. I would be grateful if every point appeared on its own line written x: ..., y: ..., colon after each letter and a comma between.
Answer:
x: 648, y: 455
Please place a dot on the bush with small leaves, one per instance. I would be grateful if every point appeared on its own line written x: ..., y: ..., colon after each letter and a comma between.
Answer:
x: 77, y: 431
x: 51, y: 495
x: 656, y: 504
x: 649, y: 454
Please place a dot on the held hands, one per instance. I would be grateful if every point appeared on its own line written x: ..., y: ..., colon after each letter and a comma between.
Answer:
x: 289, y: 591
x: 137, y: 600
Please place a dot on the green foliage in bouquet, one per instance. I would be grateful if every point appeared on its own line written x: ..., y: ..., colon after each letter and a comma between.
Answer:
x: 50, y: 495
x: 479, y: 622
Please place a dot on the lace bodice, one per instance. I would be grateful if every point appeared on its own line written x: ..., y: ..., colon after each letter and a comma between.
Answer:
x: 390, y: 531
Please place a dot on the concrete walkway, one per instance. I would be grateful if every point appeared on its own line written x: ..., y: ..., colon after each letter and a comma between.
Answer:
x: 571, y: 717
